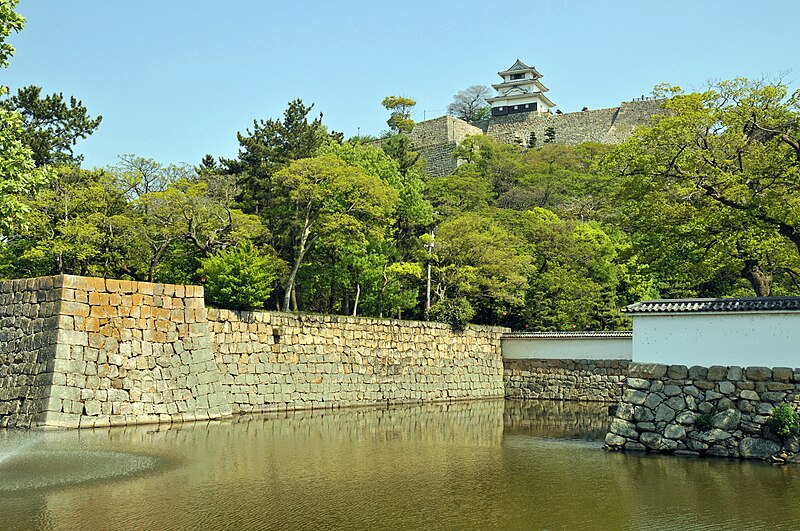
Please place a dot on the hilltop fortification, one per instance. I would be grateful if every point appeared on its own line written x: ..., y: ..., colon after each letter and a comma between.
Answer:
x: 521, y: 115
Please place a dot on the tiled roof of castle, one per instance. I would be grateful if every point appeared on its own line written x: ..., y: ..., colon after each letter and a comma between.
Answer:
x: 744, y: 304
x: 568, y: 335
x: 519, y: 65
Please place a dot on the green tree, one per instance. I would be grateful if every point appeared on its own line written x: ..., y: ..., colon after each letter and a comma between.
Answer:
x: 271, y: 145
x: 10, y: 22
x: 400, y: 108
x: 413, y: 212
x: 573, y: 279
x: 476, y: 258
x: 51, y: 126
x: 18, y: 175
x: 464, y: 190
x: 80, y: 223
x: 324, y: 197
x: 730, y: 156
x: 240, y: 278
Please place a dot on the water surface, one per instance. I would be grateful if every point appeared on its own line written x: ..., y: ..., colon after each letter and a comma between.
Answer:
x: 470, y: 465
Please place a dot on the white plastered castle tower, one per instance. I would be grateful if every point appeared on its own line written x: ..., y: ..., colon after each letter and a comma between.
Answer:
x: 520, y: 91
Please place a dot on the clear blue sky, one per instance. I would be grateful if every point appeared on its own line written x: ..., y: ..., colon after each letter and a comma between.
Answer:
x: 176, y: 79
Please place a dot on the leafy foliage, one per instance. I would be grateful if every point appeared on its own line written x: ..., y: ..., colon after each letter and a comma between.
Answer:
x: 240, y: 278
x: 715, y: 180
x: 704, y: 421
x: 400, y: 118
x: 18, y: 177
x: 51, y: 126
x: 785, y: 420
x: 456, y: 312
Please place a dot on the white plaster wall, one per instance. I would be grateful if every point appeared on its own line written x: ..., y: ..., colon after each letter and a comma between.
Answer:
x: 601, y: 348
x: 768, y: 339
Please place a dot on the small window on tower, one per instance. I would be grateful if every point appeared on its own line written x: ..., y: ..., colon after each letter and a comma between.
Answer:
x: 517, y: 76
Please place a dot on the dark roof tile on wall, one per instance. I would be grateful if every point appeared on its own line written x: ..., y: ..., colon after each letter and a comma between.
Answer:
x: 569, y: 335
x: 744, y: 304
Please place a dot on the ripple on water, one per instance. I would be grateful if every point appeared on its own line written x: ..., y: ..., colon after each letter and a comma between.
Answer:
x: 45, y: 469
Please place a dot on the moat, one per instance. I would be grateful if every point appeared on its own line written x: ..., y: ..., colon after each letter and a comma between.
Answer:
x: 464, y: 465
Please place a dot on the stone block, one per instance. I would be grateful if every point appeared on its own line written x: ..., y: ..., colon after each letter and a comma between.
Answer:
x: 734, y: 374
x: 754, y: 448
x: 55, y: 419
x: 758, y: 374
x: 716, y: 373
x: 677, y: 372
x: 647, y: 370
x: 73, y: 337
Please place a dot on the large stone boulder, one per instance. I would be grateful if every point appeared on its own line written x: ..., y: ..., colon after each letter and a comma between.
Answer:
x: 753, y: 448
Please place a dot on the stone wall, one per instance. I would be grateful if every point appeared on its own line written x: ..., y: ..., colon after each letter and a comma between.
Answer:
x: 92, y: 352
x: 437, y: 138
x: 570, y: 128
x: 552, y: 379
x: 277, y: 361
x: 28, y: 336
x: 130, y: 353
x: 715, y: 411
x: 439, y: 159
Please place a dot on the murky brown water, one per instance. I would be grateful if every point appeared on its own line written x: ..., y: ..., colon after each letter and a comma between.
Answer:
x: 477, y: 465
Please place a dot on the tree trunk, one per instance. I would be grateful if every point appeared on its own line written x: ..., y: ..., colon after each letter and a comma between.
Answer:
x: 758, y: 278
x: 358, y: 295
x: 345, y: 303
x: 301, y: 251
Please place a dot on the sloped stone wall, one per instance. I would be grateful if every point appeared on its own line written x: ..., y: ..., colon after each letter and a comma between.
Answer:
x: 565, y: 379
x: 273, y: 360
x: 28, y: 336
x: 85, y: 352
x: 715, y: 411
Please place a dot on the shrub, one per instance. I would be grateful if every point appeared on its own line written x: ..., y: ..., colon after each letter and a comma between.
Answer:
x: 785, y: 420
x: 455, y: 312
x: 704, y: 421
x: 240, y: 278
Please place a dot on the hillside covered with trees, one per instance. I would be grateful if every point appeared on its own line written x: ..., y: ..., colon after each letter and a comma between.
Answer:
x: 702, y: 203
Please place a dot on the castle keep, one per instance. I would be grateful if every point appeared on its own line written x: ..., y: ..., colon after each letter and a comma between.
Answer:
x: 520, y: 112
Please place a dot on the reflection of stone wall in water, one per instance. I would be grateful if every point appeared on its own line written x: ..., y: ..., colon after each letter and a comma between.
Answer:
x: 554, y: 379
x: 716, y: 411
x: 91, y: 352
x: 545, y: 418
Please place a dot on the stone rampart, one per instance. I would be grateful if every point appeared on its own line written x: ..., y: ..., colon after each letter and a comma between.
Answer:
x: 129, y: 353
x: 436, y: 139
x: 565, y: 379
x: 275, y: 361
x: 91, y: 352
x: 714, y: 411
x: 28, y: 337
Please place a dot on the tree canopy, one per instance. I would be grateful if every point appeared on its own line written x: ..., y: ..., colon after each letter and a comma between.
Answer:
x: 400, y: 108
x: 50, y: 125
x: 470, y: 104
x: 722, y: 167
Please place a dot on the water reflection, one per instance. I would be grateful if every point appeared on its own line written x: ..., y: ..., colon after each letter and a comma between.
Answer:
x: 508, y: 465
x: 565, y: 420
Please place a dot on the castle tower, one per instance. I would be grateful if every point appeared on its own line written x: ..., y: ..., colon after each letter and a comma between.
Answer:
x: 520, y: 91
